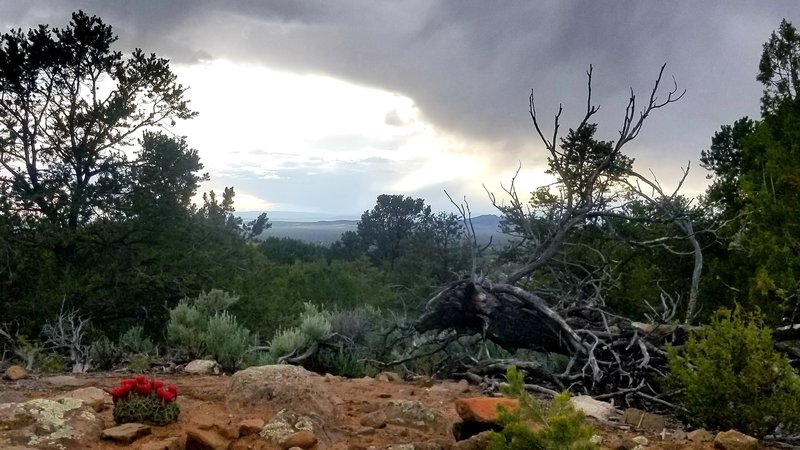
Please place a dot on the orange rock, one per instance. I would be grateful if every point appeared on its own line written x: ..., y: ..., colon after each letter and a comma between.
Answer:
x: 483, y: 409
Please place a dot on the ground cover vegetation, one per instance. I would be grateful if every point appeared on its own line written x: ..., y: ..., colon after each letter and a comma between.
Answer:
x: 608, y: 284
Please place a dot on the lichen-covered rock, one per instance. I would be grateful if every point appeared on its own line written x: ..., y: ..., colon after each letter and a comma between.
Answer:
x: 48, y: 424
x: 286, y: 423
x: 14, y: 373
x: 281, y: 387
x: 414, y: 414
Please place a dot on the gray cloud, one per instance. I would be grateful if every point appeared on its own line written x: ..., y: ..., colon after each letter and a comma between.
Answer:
x: 469, y: 65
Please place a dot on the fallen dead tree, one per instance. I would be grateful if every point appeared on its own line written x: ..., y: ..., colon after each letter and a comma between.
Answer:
x: 610, y: 357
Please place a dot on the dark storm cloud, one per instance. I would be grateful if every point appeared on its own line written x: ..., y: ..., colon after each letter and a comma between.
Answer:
x: 470, y: 65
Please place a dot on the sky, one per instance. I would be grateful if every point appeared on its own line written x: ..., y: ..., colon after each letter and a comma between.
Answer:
x: 320, y: 106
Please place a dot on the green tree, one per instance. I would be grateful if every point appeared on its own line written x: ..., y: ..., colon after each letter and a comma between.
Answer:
x: 69, y: 106
x: 756, y: 189
x: 389, y: 226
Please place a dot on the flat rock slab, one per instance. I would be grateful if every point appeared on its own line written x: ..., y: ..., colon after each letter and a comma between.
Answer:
x: 66, y: 380
x: 734, y: 440
x: 97, y: 398
x: 126, y: 433
x: 595, y: 408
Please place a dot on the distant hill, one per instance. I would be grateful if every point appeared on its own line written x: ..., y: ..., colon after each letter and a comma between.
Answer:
x: 325, y: 232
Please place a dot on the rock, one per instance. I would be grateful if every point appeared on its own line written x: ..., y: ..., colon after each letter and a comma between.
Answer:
x: 11, y: 397
x: 376, y: 419
x: 593, y: 408
x: 389, y: 376
x: 66, y: 381
x: 304, y: 439
x: 173, y: 443
x: 622, y: 444
x: 250, y: 426
x: 197, y: 439
x: 463, y: 386
x: 679, y: 435
x: 96, y: 398
x: 734, y: 440
x: 641, y: 440
x: 466, y: 430
x: 644, y: 420
x: 413, y: 414
x: 202, y: 367
x: 216, y: 423
x: 384, y: 395
x: 14, y: 373
x: 125, y: 433
x: 700, y: 435
x: 482, y: 409
x: 478, y: 442
x: 46, y: 423
x: 280, y: 387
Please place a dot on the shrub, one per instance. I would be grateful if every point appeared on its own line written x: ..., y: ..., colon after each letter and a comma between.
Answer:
x: 140, y: 400
x: 563, y: 424
x: 105, y: 354
x: 134, y: 341
x: 728, y: 375
x: 139, y: 363
x: 203, y: 327
x: 186, y: 327
x: 226, y: 341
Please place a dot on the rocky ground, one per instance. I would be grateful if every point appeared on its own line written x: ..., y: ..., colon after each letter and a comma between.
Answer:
x: 280, y: 407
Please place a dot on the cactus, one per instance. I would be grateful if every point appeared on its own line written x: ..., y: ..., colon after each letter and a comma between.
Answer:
x: 145, y: 401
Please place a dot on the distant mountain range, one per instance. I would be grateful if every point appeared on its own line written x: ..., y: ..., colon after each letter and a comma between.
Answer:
x: 310, y: 227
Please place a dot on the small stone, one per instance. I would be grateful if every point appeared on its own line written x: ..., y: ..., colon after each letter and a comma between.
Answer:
x: 376, y: 419
x: 641, y: 440
x: 365, y: 430
x: 14, y: 373
x: 126, y: 433
x: 734, y: 440
x: 700, y: 435
x: 303, y: 439
x: 463, y: 386
x: 593, y: 408
x: 483, y: 409
x: 384, y: 395
x: 173, y: 443
x: 679, y: 435
x: 250, y: 426
x: 202, y: 367
x: 596, y: 439
x: 622, y: 444
x: 389, y: 376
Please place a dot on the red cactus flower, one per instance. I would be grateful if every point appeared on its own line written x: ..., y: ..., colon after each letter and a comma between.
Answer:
x: 173, y: 389
x: 156, y: 383
x: 143, y: 388
x: 168, y: 397
x: 140, y: 379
